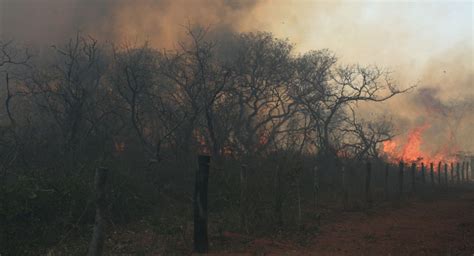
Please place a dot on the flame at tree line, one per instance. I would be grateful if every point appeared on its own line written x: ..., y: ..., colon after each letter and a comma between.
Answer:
x: 410, y: 149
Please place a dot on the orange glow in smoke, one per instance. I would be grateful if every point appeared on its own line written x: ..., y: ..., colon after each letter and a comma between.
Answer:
x: 119, y: 146
x: 410, y: 149
x: 202, y: 146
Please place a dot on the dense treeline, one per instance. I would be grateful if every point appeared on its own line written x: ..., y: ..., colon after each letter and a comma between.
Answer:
x: 266, y: 115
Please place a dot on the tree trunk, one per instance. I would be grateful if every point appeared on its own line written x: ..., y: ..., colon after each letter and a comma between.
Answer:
x: 413, y: 177
x: 97, y: 243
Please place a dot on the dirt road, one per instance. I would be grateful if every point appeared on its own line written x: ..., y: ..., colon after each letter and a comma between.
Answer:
x: 440, y: 225
x: 444, y: 227
x: 436, y: 227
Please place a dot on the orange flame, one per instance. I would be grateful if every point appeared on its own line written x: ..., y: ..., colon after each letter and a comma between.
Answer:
x: 411, y: 150
x: 119, y: 146
x: 202, y: 146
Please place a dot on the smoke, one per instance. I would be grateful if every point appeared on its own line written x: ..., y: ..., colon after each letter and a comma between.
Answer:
x: 443, y: 100
x: 435, y: 53
x: 160, y: 22
x: 446, y: 97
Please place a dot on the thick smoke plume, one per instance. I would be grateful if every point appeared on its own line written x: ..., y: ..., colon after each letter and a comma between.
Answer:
x: 387, y: 34
x: 158, y: 21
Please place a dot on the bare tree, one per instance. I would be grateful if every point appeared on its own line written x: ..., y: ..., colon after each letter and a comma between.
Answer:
x: 146, y: 98
x: 362, y: 138
x: 326, y: 93
x: 67, y: 91
x: 11, y: 56
x: 201, y: 81
x: 263, y: 71
x: 13, y: 61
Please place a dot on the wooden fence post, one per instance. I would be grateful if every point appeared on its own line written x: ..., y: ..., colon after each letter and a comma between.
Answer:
x: 413, y: 177
x: 345, y: 193
x: 96, y: 245
x: 423, y: 173
x: 243, y: 196
x: 446, y: 174
x: 458, y: 175
x: 452, y: 173
x: 201, y: 243
x: 315, y: 186
x: 368, y: 177
x: 467, y: 172
x: 400, y: 179
x: 386, y: 190
x: 432, y: 173
x: 439, y: 173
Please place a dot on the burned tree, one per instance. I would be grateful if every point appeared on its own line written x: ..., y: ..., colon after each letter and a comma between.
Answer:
x: 263, y: 72
x: 202, y: 84
x: 68, y: 92
x: 327, y: 94
x: 147, y: 99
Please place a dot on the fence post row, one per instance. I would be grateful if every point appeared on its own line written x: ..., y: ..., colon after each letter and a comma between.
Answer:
x: 201, y: 243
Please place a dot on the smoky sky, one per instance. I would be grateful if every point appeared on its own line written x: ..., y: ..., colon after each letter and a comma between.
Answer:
x: 425, y: 44
x: 157, y: 21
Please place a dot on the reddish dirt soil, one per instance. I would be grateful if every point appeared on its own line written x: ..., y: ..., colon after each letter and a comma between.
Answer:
x: 440, y: 225
x: 435, y: 227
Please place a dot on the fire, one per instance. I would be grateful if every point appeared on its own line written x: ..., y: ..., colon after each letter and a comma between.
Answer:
x: 202, y: 145
x: 119, y: 146
x: 411, y: 150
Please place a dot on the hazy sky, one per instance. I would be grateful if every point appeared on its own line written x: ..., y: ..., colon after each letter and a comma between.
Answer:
x: 401, y: 34
x: 424, y: 26
x: 429, y: 43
